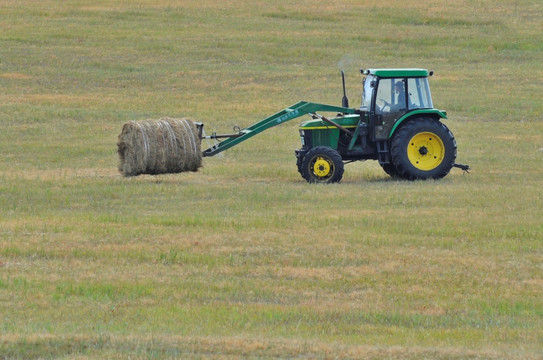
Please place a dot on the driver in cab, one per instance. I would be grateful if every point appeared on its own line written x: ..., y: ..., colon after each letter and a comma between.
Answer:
x: 400, y: 95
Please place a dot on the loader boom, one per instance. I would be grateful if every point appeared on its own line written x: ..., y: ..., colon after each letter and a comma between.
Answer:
x: 299, y: 109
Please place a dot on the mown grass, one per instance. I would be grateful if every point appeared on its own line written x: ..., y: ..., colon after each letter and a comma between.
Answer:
x: 244, y: 259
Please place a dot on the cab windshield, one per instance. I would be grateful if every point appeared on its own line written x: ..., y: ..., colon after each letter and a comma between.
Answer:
x: 367, y: 94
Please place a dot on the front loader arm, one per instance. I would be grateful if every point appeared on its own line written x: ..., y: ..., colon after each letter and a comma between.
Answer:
x: 299, y: 109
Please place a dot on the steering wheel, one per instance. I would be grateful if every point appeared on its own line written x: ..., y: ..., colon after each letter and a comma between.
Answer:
x: 386, y: 104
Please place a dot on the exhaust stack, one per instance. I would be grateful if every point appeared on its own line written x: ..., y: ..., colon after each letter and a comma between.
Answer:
x: 344, y: 99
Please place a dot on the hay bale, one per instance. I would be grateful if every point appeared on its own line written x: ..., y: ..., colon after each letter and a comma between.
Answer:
x: 158, y: 147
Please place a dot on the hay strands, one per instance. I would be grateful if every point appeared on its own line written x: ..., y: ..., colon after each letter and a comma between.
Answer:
x: 167, y: 145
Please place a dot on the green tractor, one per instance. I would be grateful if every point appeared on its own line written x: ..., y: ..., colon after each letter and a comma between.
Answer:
x: 396, y: 124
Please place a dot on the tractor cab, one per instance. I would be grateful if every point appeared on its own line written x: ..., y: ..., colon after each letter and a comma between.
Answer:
x: 389, y: 94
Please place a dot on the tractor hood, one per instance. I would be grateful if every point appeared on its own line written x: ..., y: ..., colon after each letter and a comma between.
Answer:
x: 347, y: 121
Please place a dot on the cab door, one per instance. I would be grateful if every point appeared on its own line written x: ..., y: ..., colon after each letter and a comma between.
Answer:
x: 390, y: 105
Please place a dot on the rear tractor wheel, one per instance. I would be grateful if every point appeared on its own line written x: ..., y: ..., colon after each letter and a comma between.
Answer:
x: 322, y: 164
x: 422, y: 149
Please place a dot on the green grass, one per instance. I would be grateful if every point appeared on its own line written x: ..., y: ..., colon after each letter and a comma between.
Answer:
x: 244, y: 259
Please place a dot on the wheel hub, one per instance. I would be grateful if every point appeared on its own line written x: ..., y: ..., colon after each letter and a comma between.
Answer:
x: 321, y: 167
x: 426, y: 151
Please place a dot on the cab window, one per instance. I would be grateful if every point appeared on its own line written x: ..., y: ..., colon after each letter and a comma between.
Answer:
x: 391, y: 96
x: 419, y: 94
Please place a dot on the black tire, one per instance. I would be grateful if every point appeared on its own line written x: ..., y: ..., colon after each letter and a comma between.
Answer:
x: 299, y: 163
x: 423, y: 148
x: 322, y: 164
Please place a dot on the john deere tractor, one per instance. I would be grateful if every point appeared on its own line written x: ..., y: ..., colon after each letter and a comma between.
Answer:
x: 396, y: 124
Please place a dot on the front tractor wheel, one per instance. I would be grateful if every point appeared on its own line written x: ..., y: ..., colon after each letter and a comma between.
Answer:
x: 422, y: 149
x: 322, y: 164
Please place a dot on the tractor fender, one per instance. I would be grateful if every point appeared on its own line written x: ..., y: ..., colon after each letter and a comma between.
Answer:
x: 434, y: 113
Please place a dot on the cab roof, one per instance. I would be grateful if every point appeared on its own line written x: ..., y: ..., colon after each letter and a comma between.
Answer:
x: 395, y: 73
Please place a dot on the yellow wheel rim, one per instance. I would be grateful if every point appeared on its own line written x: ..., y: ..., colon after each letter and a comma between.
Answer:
x: 425, y: 151
x: 322, y: 167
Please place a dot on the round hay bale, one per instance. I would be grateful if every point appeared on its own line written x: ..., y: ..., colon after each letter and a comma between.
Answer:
x: 160, y: 146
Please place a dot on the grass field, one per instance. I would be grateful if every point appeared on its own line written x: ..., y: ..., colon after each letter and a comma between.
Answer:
x: 244, y: 259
